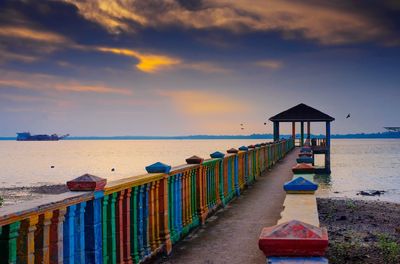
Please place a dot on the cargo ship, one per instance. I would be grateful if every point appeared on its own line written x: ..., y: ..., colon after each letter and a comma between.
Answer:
x: 26, y: 136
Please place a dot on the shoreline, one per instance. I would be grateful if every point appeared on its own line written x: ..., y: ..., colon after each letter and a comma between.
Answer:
x: 16, y: 195
x: 361, y: 231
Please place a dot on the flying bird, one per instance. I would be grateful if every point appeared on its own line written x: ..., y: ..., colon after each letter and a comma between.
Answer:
x: 348, y: 116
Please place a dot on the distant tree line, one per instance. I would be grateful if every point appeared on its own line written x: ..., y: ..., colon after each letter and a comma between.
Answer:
x: 252, y: 136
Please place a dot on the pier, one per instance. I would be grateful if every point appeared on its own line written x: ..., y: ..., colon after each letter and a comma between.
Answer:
x: 140, y: 218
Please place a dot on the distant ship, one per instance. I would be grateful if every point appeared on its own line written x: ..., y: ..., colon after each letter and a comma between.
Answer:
x: 26, y: 136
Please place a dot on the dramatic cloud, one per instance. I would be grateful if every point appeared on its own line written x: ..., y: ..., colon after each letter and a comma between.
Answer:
x: 31, y: 34
x: 46, y: 83
x: 6, y: 55
x: 323, y: 22
x: 25, y: 44
x: 149, y: 63
x: 152, y: 63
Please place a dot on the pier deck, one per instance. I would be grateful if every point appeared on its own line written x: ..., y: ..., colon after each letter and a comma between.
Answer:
x: 231, y: 235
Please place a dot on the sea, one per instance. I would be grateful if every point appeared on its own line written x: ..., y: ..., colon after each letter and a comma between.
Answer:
x: 357, y: 164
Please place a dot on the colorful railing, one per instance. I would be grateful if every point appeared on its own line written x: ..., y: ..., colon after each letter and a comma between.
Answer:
x: 133, y: 219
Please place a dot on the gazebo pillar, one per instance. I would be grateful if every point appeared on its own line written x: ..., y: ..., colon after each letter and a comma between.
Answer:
x: 328, y: 148
x: 302, y: 133
x: 276, y: 131
x: 305, y: 114
x: 294, y: 130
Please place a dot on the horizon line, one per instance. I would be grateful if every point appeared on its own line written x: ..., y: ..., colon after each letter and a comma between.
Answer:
x: 249, y: 136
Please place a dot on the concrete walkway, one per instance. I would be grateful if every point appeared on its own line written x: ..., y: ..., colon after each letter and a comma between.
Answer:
x: 231, y: 235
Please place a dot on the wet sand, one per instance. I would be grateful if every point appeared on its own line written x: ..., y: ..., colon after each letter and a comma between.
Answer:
x: 14, y: 195
x: 361, y: 231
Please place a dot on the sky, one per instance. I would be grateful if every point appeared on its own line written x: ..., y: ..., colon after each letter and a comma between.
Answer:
x: 185, y: 67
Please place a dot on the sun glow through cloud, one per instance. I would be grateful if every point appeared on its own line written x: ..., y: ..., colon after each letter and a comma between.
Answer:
x: 204, y: 103
x: 148, y: 63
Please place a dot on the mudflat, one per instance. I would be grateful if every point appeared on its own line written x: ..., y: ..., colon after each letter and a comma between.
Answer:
x: 361, y: 231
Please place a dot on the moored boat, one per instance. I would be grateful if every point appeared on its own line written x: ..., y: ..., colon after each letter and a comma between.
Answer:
x: 26, y: 136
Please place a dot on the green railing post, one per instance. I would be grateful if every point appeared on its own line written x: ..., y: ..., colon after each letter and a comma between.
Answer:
x: 8, y: 242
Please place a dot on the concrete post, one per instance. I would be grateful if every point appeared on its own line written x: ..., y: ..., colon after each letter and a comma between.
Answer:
x: 87, y: 226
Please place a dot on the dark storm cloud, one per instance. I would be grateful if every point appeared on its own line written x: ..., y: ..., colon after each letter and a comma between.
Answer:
x: 333, y: 22
x: 191, y: 4
x: 324, y: 22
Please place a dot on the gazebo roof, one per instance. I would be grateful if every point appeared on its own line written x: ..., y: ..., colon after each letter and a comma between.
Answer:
x: 302, y: 112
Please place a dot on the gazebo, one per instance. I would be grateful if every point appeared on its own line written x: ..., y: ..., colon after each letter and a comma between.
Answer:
x: 305, y: 114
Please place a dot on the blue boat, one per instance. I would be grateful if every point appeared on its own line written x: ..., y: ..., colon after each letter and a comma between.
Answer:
x: 26, y: 136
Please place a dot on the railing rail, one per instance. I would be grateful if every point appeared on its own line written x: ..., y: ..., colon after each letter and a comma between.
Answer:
x: 134, y: 218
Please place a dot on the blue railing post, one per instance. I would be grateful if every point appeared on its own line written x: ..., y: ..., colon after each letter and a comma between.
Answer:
x: 93, y: 227
x: 80, y: 234
x: 69, y: 235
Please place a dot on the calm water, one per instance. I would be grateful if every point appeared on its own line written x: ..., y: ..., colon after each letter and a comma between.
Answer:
x: 29, y: 163
x: 356, y: 164
x: 363, y: 165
